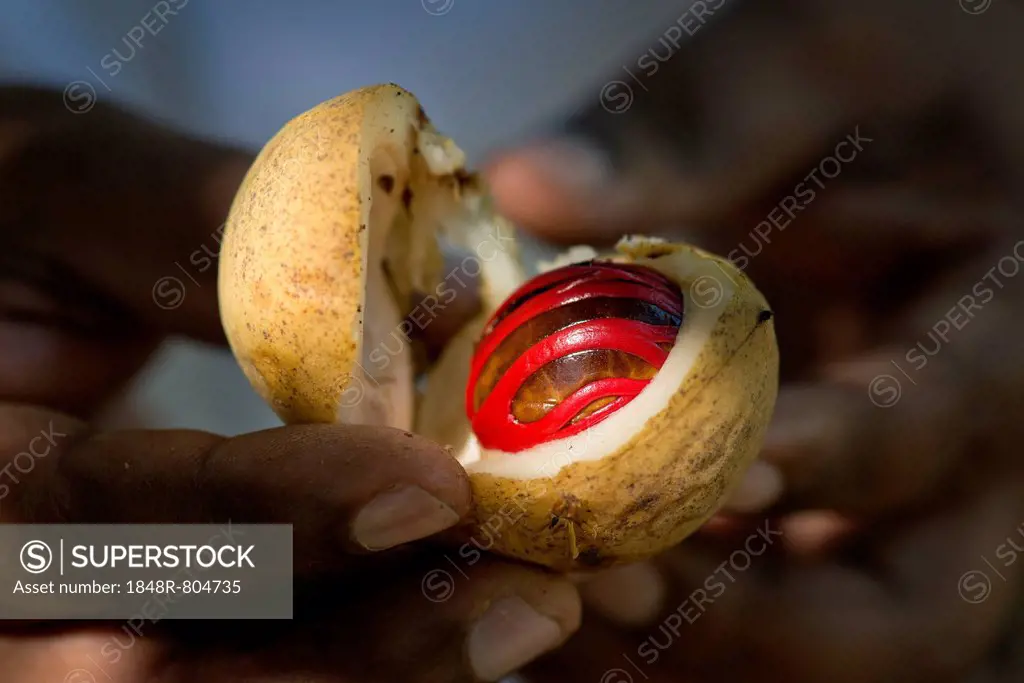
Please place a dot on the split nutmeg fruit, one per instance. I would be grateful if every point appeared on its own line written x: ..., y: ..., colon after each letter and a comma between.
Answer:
x: 604, y: 407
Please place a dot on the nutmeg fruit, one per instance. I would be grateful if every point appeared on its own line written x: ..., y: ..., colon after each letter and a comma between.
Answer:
x: 611, y: 402
x: 648, y: 473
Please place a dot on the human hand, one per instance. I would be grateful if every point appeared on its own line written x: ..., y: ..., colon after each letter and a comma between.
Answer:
x: 891, y: 264
x: 94, y: 209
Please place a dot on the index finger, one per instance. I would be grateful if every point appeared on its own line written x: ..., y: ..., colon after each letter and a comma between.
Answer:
x: 345, y: 489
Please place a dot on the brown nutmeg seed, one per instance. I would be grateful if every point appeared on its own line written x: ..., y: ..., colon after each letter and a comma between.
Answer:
x: 568, y: 349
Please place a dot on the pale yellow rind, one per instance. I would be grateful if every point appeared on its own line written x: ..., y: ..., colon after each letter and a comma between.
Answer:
x: 295, y: 254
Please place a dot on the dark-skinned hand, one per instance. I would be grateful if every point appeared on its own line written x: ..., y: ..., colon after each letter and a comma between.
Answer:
x: 94, y: 209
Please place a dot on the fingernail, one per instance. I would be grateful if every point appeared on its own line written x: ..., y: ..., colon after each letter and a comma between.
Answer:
x: 572, y: 164
x: 760, y: 486
x: 400, y: 515
x: 632, y: 595
x: 509, y: 635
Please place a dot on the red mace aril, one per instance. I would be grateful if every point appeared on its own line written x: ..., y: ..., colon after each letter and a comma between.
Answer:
x: 567, y: 350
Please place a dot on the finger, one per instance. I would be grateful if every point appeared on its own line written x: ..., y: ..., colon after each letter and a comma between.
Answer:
x: 344, y: 488
x: 117, y: 205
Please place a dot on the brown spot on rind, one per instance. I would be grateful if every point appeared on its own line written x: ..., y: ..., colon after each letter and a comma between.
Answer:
x: 386, y: 183
x: 643, y: 503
